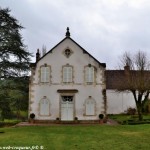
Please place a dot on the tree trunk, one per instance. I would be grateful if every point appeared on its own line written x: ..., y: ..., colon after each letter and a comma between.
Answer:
x: 139, y: 110
x: 139, y: 105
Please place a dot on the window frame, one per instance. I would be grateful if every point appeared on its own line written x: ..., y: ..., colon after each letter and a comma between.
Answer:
x: 49, y: 104
x: 45, y: 76
x: 94, y: 106
x: 90, y: 77
x: 67, y: 77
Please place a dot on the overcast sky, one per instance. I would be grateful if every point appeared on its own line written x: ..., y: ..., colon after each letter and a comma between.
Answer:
x: 105, y: 28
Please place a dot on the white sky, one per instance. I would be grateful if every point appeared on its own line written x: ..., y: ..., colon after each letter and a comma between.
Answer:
x: 105, y: 28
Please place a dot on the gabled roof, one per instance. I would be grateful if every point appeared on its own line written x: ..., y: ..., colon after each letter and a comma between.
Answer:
x: 84, y: 51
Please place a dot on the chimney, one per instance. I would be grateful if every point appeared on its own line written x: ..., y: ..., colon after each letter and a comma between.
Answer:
x: 37, y: 55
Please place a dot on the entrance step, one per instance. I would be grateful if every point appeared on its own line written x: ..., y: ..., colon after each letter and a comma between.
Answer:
x: 68, y: 122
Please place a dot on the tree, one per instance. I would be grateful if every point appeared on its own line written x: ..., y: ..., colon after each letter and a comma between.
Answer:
x: 137, y: 78
x: 13, y: 96
x: 4, y: 105
x: 19, y: 95
x: 14, y: 61
x: 14, y: 58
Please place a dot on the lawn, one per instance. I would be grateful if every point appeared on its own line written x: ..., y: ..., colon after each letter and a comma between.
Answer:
x: 94, y: 137
x: 131, y: 119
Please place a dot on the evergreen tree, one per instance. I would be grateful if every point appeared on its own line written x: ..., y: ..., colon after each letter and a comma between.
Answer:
x: 14, y: 58
x: 14, y: 63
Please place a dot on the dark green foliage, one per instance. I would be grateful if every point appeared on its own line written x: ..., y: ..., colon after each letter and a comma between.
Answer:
x: 146, y: 107
x: 131, y: 111
x: 14, y: 66
x: 14, y: 57
x: 13, y: 96
x: 8, y: 123
x: 126, y: 119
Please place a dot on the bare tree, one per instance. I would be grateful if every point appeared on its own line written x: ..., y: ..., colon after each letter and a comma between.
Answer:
x: 43, y: 50
x: 136, y: 78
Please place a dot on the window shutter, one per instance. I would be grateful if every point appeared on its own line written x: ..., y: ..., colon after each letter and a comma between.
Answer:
x: 64, y: 74
x: 45, y: 74
x: 42, y: 74
x: 86, y: 74
x: 89, y: 74
x: 67, y: 74
x: 90, y: 107
x: 44, y: 107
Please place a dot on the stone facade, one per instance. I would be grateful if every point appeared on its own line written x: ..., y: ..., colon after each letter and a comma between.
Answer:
x: 66, y: 100
x: 68, y: 83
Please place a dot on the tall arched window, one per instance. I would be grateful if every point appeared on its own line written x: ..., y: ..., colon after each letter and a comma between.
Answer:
x: 44, y: 107
x: 90, y: 106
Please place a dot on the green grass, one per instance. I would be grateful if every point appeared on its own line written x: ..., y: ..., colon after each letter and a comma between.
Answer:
x: 95, y: 137
x: 120, y: 117
x: 8, y: 122
x: 124, y: 117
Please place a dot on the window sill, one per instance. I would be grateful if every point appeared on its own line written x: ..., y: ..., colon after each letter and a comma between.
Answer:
x: 67, y: 82
x: 89, y: 115
x: 90, y: 83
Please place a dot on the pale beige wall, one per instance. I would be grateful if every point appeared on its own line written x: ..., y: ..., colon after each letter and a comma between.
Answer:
x: 119, y: 102
x: 78, y: 60
x: 56, y: 60
x: 51, y: 93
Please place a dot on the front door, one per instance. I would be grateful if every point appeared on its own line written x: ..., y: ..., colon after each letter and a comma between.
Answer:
x: 67, y: 108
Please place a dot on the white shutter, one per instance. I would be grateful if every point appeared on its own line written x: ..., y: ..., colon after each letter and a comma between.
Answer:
x: 45, y: 74
x: 86, y: 74
x: 90, y: 107
x: 64, y: 74
x: 89, y: 74
x: 42, y: 74
x: 67, y: 74
x: 44, y: 107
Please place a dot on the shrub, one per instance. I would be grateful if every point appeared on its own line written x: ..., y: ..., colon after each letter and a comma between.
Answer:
x: 32, y: 115
x: 75, y: 118
x: 57, y: 118
x: 146, y: 107
x: 101, y: 116
x: 131, y: 111
x: 8, y: 123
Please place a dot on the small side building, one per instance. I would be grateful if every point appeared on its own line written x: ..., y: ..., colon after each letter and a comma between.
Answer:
x: 117, y: 102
